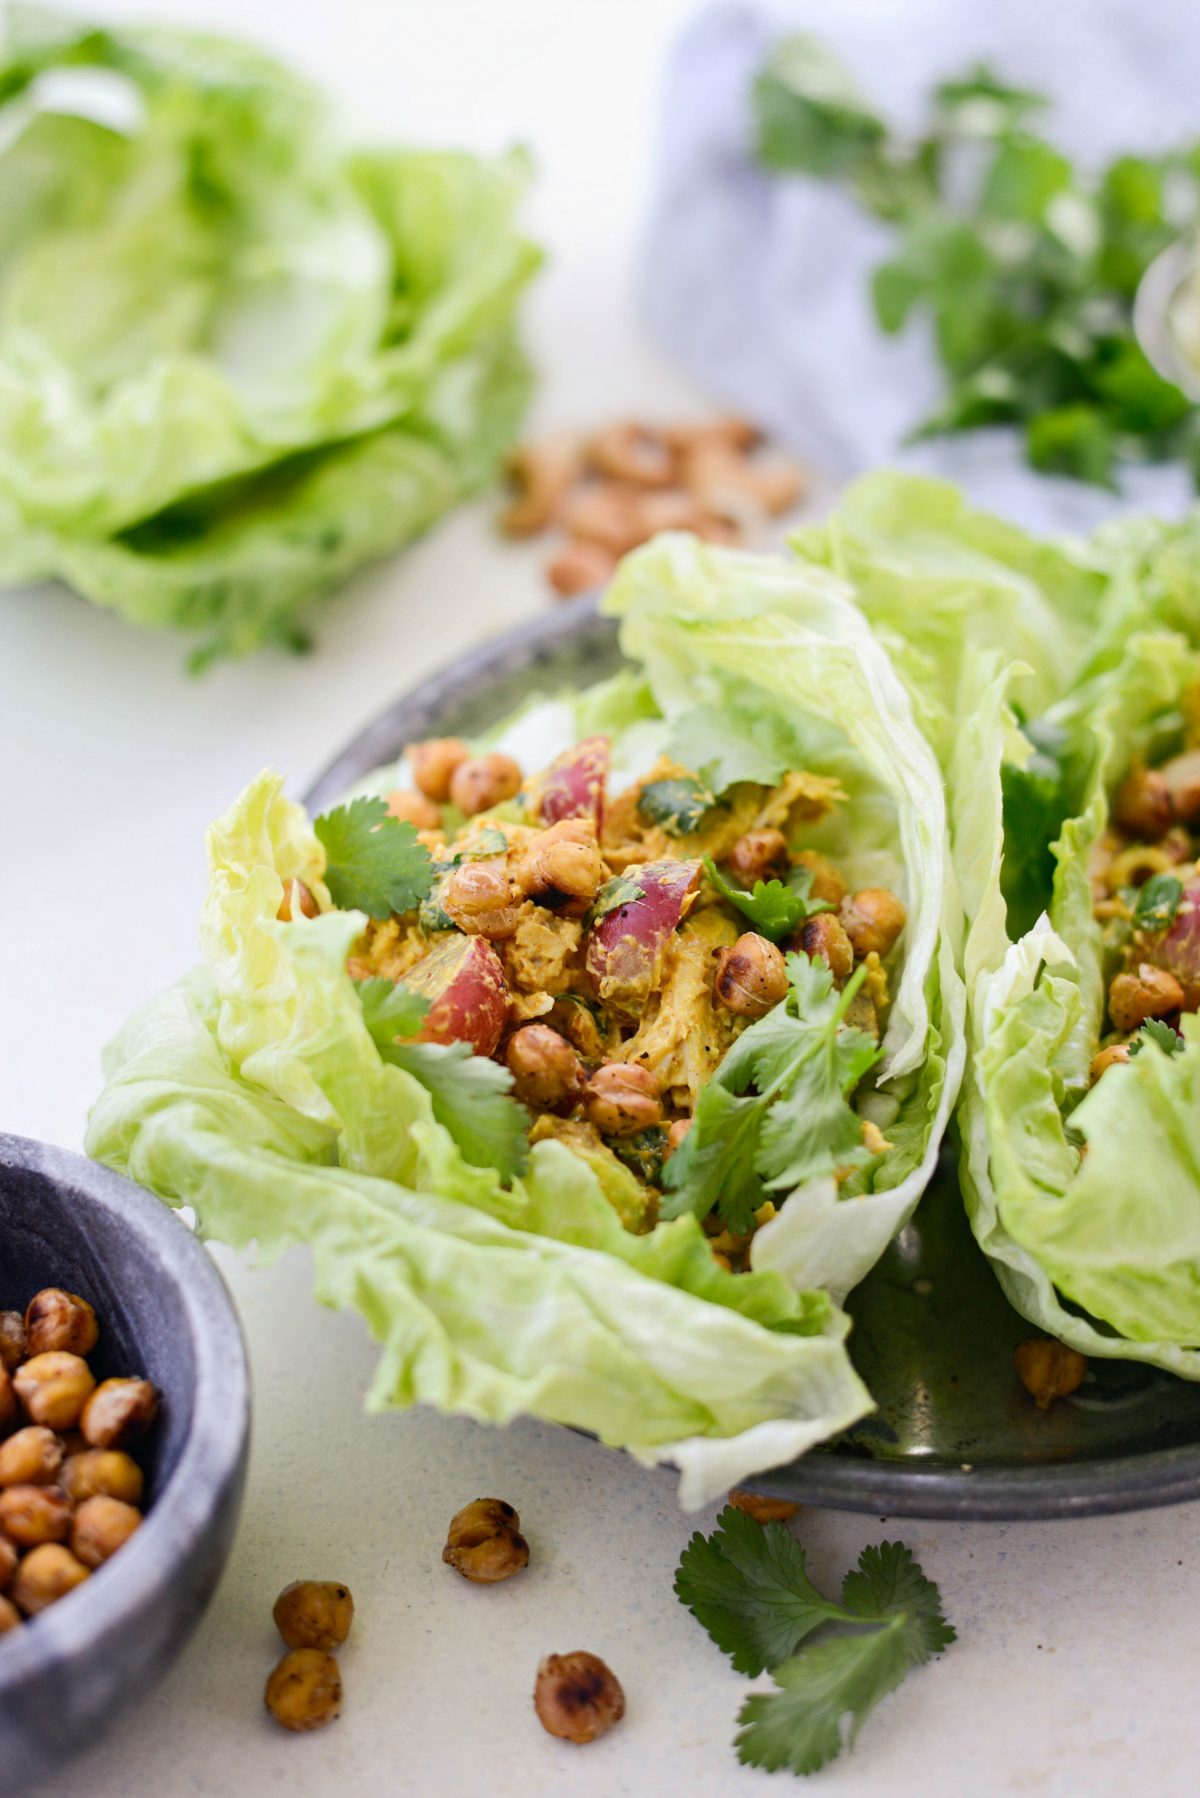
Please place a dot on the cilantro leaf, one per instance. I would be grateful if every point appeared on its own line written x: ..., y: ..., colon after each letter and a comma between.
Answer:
x: 727, y: 744
x: 680, y: 805
x: 800, y: 1060
x: 1155, y: 1031
x: 490, y: 841
x: 391, y: 1009
x: 775, y: 907
x: 374, y: 862
x: 746, y: 1584
x: 1157, y: 902
x: 800, y: 1725
x: 614, y: 893
x: 470, y: 1095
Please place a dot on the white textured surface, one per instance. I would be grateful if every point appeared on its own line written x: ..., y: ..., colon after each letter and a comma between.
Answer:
x: 1075, y: 1668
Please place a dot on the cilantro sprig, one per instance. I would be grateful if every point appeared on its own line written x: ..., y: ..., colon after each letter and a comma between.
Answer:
x: 1024, y: 268
x: 1157, y: 902
x: 1162, y: 1035
x: 729, y: 743
x: 776, y: 1112
x: 774, y: 907
x: 470, y: 1095
x: 374, y: 862
x: 832, y: 1661
x: 679, y: 805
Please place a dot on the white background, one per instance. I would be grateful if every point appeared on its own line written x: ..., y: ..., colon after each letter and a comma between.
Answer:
x: 1076, y: 1666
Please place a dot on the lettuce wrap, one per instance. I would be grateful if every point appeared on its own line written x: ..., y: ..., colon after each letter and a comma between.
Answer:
x: 261, y: 1093
x: 294, y: 354
x: 1044, y: 673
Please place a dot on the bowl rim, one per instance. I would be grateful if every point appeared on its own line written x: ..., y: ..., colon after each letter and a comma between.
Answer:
x: 987, y: 1491
x: 213, y: 1450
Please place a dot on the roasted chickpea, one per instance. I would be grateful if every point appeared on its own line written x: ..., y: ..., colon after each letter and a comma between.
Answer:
x: 872, y: 919
x: 314, y: 1613
x: 759, y: 855
x: 30, y: 1458
x: 414, y: 808
x: 54, y: 1388
x: 8, y: 1561
x: 1108, y: 1058
x: 10, y: 1617
x: 577, y: 1697
x: 622, y: 1098
x: 579, y: 566
x: 675, y: 1135
x: 10, y: 1410
x: 434, y: 763
x: 1048, y: 1369
x: 12, y: 1340
x: 547, y: 1073
x: 33, y: 1514
x: 484, y: 781
x: 1143, y: 805
x: 105, y: 1472
x: 763, y: 1510
x: 101, y: 1526
x: 479, y: 898
x: 823, y: 939
x: 751, y: 976
x: 47, y: 1574
x: 1146, y: 992
x: 305, y: 1690
x: 484, y: 1542
x: 827, y: 883
x: 58, y: 1320
x: 297, y: 902
x: 561, y: 868
x: 118, y: 1412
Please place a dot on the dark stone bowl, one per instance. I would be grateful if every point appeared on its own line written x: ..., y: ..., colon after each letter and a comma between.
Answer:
x: 164, y: 1312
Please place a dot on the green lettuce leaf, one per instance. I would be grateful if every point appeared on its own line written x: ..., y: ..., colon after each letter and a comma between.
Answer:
x: 294, y: 356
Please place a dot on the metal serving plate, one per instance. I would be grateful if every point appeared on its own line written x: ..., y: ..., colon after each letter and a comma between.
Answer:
x: 954, y: 1435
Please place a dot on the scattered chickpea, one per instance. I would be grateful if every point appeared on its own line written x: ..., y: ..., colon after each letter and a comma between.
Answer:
x: 47, y: 1574
x: 622, y: 1099
x: 827, y: 883
x: 872, y: 920
x: 12, y: 1340
x: 8, y: 1561
x: 1143, y: 805
x: 578, y: 567
x: 543, y: 474
x: 312, y: 1613
x: 484, y: 1542
x: 58, y: 1320
x: 414, y: 808
x: 547, y: 1073
x: 1146, y: 992
x: 759, y: 855
x: 763, y: 1510
x: 118, y: 1412
x: 31, y: 1457
x: 33, y: 1514
x: 434, y: 763
x: 561, y: 867
x: 675, y: 1135
x: 54, y: 1388
x: 1108, y: 1058
x: 483, y: 781
x: 10, y: 1409
x: 577, y: 1697
x: 479, y: 898
x: 634, y: 452
x: 103, y: 1472
x: 10, y: 1617
x: 751, y: 976
x: 1048, y: 1369
x: 305, y: 1690
x: 823, y: 938
x: 101, y: 1526
x: 297, y: 902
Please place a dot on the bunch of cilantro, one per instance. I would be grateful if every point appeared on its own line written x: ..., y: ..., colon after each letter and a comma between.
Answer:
x: 831, y: 1660
x: 1025, y: 266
